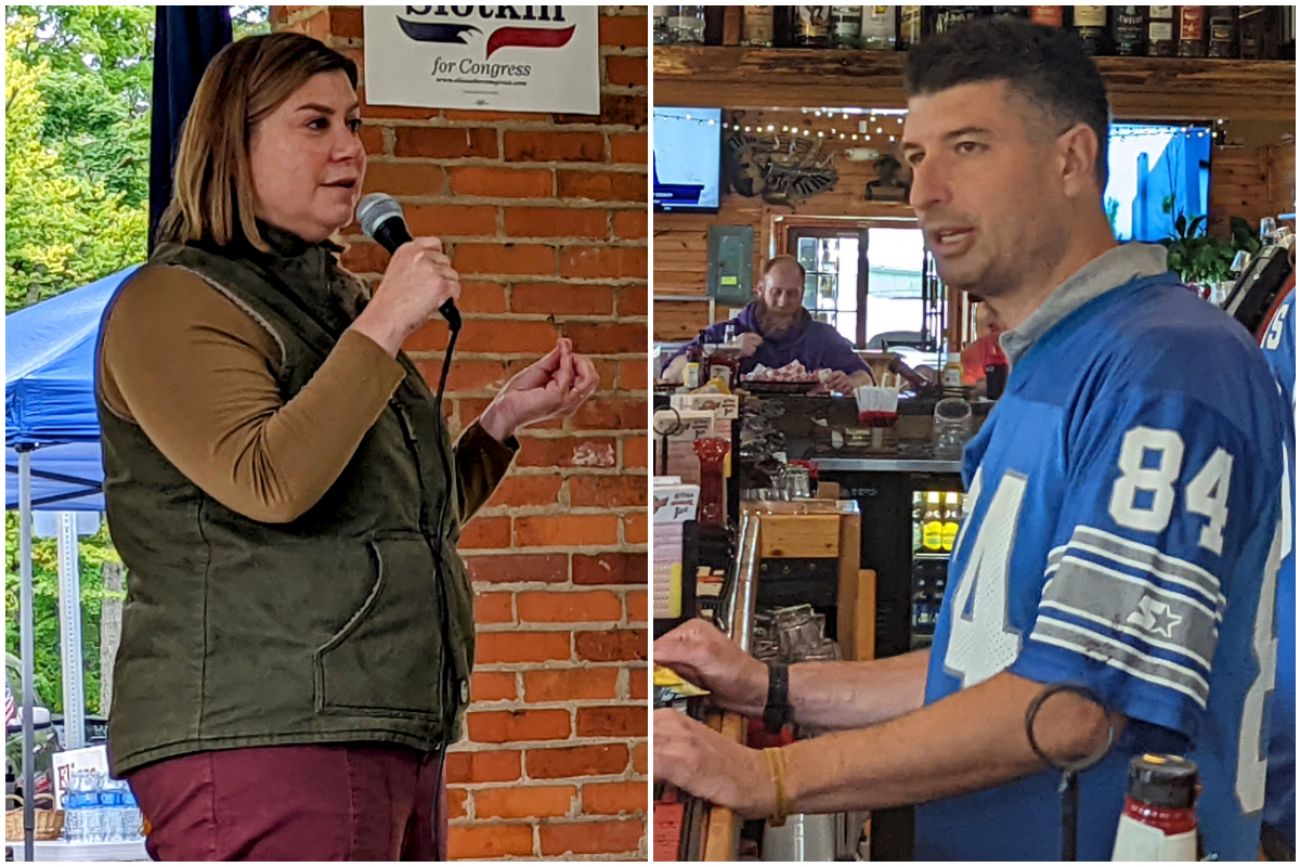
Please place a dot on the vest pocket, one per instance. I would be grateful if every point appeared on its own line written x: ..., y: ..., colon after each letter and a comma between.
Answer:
x: 387, y: 658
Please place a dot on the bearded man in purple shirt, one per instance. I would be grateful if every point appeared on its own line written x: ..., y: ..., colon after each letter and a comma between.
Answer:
x: 774, y: 329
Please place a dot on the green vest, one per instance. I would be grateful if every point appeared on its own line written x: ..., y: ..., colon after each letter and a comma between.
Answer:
x: 352, y: 623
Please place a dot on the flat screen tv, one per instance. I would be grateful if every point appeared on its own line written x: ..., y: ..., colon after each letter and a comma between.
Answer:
x: 1157, y: 172
x: 687, y: 159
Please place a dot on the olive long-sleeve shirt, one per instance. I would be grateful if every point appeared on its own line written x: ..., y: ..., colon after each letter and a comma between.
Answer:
x: 199, y: 376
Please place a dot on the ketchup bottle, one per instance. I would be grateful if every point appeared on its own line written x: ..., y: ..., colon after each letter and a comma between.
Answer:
x: 1159, y: 818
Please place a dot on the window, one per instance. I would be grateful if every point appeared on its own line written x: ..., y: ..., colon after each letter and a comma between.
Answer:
x: 832, y: 261
x: 874, y: 283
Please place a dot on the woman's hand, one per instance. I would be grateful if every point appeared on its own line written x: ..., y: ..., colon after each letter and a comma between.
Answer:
x: 553, y: 387
x: 418, y: 280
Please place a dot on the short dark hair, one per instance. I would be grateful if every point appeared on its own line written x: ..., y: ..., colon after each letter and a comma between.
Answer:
x: 785, y: 260
x: 1047, y: 66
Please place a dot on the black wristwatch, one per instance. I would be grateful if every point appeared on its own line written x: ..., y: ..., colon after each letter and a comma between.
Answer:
x: 777, y: 711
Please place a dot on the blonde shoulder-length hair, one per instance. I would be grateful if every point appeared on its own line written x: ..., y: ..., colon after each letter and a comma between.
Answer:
x: 212, y: 191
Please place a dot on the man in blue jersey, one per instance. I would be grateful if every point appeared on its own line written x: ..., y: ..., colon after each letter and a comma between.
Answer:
x: 1123, y: 528
x: 1278, y: 834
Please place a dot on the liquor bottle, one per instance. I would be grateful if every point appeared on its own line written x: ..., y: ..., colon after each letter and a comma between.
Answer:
x: 1048, y: 16
x: 1223, y: 32
x: 911, y: 21
x: 1191, y: 31
x: 661, y: 24
x: 846, y: 26
x: 949, y: 17
x: 1128, y: 30
x: 1162, y: 37
x: 715, y: 25
x: 686, y: 24
x: 951, y: 520
x: 812, y: 26
x: 758, y: 28
x: 1090, y: 24
x: 1012, y: 11
x: 1257, y: 31
x: 1286, y: 33
x: 932, y: 528
x: 784, y: 24
x: 879, y: 26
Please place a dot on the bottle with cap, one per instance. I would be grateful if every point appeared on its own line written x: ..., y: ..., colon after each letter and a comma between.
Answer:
x: 1159, y: 818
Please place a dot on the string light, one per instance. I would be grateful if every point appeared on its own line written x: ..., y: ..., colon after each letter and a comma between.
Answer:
x: 1214, y: 129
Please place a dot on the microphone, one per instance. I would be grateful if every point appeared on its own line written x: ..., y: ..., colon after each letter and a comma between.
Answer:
x: 380, y: 217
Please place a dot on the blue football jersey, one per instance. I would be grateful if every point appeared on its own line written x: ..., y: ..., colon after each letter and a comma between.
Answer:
x: 1123, y: 516
x: 1279, y: 805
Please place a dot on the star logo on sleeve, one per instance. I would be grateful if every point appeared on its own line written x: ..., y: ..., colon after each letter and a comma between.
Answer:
x: 1155, y: 617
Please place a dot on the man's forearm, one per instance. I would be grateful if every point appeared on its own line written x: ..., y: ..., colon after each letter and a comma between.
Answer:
x: 844, y: 695
x: 971, y: 740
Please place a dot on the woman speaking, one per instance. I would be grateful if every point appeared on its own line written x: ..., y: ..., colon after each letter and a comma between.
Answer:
x: 297, y: 635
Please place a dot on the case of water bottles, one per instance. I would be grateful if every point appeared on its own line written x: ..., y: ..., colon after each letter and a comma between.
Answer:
x: 99, y: 809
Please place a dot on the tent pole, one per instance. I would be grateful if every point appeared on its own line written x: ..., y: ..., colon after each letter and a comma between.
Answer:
x: 26, y: 625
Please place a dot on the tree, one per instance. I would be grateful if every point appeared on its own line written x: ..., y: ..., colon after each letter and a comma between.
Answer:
x: 96, y: 90
x: 77, y: 90
x: 63, y: 227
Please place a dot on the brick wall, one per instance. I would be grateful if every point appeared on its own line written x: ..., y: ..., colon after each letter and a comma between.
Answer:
x: 545, y: 219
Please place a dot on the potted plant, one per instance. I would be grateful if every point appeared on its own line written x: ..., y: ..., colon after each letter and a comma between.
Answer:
x: 1203, y: 260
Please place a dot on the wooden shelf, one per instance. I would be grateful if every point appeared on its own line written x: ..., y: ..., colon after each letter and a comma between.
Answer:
x: 1141, y: 88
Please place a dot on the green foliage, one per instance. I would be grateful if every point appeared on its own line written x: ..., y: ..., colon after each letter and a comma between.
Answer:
x: 96, y: 92
x: 94, y: 552
x: 76, y: 149
x: 1200, y: 258
x: 77, y: 91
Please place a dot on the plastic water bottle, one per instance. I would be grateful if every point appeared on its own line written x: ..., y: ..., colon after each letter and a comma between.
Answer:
x: 75, y: 806
x: 70, y: 810
x: 132, y: 820
x: 110, y: 804
x: 92, y: 830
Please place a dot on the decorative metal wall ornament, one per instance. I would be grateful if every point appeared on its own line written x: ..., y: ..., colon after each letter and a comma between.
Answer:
x: 892, y: 183
x: 781, y: 172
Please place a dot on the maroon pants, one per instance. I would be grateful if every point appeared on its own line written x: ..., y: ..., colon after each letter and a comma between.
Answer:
x: 366, y: 802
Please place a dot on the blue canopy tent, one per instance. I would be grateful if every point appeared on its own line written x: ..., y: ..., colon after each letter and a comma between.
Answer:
x: 50, y: 399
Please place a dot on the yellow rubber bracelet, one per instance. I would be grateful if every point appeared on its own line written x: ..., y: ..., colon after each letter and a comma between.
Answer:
x: 776, y: 766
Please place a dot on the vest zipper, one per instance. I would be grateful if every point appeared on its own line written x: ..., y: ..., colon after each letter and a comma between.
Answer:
x: 446, y: 678
x: 408, y: 433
